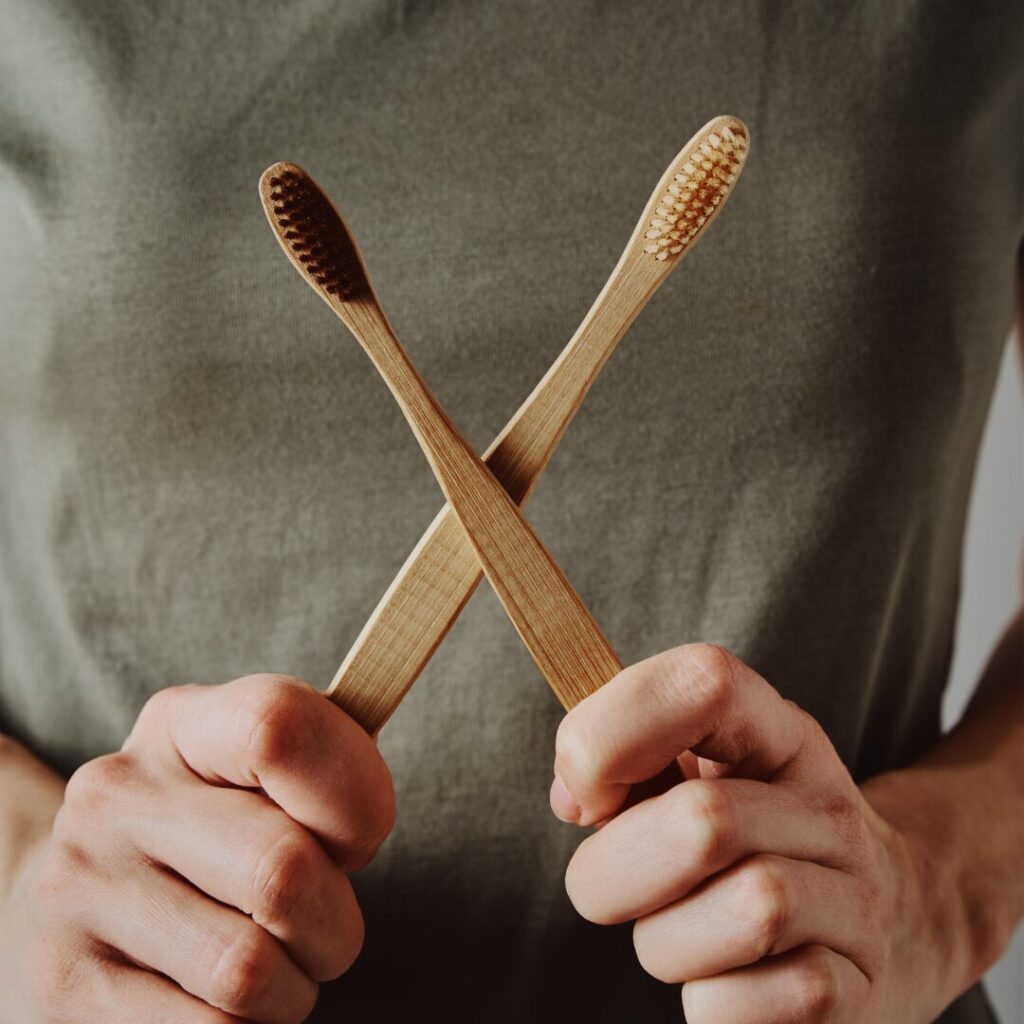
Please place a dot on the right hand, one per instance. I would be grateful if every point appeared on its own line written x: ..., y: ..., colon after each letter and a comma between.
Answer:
x: 198, y: 876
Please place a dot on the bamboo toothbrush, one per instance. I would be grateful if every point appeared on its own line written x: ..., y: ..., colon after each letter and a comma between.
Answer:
x: 443, y: 569
x: 556, y: 627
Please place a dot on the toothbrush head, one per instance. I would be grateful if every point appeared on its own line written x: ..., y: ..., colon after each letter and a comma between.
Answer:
x: 313, y: 234
x: 688, y: 198
x: 695, y: 188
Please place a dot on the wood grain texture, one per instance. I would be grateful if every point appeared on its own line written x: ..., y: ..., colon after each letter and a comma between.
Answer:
x: 565, y: 641
x: 444, y: 568
x: 559, y: 632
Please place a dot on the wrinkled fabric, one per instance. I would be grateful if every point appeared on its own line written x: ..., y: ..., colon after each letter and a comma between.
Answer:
x: 202, y: 476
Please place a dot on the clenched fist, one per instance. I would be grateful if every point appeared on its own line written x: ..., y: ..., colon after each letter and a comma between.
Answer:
x: 199, y: 876
x: 766, y: 881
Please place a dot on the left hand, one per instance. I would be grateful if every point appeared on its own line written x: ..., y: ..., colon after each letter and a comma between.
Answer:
x: 766, y: 881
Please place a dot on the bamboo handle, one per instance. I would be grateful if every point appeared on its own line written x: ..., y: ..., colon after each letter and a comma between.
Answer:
x: 565, y: 641
x: 443, y: 570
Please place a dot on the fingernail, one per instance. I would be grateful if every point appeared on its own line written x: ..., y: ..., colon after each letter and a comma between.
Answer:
x: 562, y: 802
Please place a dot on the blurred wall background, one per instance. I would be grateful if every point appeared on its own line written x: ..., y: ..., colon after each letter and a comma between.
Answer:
x: 991, y: 592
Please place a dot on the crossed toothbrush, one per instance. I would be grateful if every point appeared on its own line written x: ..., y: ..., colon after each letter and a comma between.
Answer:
x: 481, y: 529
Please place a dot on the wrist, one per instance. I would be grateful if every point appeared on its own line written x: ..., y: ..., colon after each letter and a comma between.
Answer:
x: 952, y: 890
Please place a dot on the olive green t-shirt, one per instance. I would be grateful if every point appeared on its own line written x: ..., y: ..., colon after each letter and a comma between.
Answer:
x: 203, y: 477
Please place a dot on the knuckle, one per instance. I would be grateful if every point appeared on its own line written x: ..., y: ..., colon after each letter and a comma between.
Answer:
x: 768, y: 903
x: 279, y: 719
x: 816, y: 988
x: 282, y: 877
x: 242, y: 971
x: 91, y: 789
x: 703, y: 819
x: 83, y: 789
x: 711, y: 672
x: 848, y: 822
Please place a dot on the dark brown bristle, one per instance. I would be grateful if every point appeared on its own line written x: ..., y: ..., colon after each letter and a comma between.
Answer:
x: 316, y: 235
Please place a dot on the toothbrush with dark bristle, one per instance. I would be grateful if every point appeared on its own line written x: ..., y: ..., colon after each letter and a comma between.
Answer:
x: 565, y: 641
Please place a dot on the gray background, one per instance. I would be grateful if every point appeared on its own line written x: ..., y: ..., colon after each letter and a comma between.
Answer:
x: 992, y: 568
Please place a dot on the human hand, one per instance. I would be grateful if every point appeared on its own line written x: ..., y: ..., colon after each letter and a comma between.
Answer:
x: 198, y: 876
x: 766, y: 881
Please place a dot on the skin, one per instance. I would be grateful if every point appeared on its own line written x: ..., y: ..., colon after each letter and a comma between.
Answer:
x: 199, y: 875
x: 768, y: 882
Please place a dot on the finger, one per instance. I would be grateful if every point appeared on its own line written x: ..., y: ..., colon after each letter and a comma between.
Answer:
x: 761, y: 907
x: 235, y: 845
x: 811, y: 984
x: 217, y: 954
x: 280, y: 735
x: 698, y: 698
x: 127, y: 995
x: 88, y: 983
x: 244, y: 851
x: 655, y: 853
